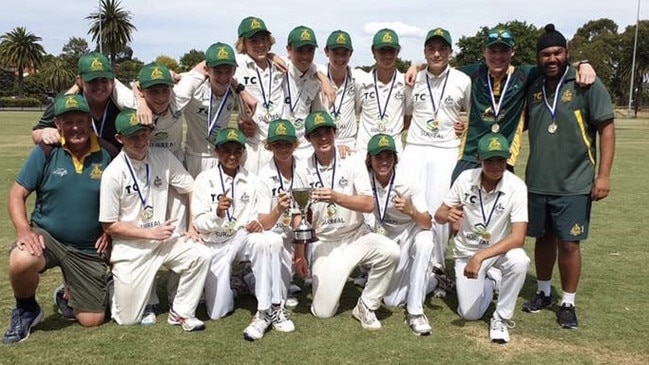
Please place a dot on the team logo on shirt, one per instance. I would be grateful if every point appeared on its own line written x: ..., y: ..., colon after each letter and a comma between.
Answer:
x: 343, y: 182
x: 60, y: 172
x: 332, y: 210
x: 537, y: 97
x: 159, y: 136
x: 95, y: 174
x: 157, y: 182
x: 398, y: 95
x: 449, y: 101
x: 576, y: 230
x: 245, y: 198
x: 156, y: 74
x: 567, y: 96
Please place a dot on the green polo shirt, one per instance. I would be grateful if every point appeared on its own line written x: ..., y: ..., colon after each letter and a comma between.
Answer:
x: 511, y: 110
x: 67, y: 193
x: 563, y: 163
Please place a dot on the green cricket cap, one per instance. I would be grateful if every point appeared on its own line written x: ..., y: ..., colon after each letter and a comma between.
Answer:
x: 386, y: 38
x: 493, y: 145
x: 316, y: 120
x: 95, y: 65
x: 302, y: 36
x: 440, y: 33
x: 154, y: 74
x: 281, y: 130
x: 379, y: 143
x: 127, y: 124
x: 251, y: 26
x: 339, y: 39
x: 226, y: 135
x: 70, y: 103
x: 220, y: 54
x: 500, y: 36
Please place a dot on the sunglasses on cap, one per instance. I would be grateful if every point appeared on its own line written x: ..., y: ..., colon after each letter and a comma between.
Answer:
x: 501, y: 34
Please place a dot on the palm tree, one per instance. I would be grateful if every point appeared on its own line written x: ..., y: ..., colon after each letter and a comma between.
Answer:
x: 112, y: 26
x: 20, y: 49
x: 58, y: 75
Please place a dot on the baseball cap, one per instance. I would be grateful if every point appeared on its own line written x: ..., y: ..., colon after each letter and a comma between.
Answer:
x: 379, y: 143
x: 339, y: 39
x: 302, y: 36
x: 439, y: 33
x: 281, y: 130
x: 220, y: 54
x: 226, y: 135
x: 251, y: 26
x: 154, y: 74
x: 127, y: 124
x: 94, y: 65
x: 493, y: 145
x: 316, y: 120
x: 70, y: 103
x: 500, y: 36
x: 386, y: 38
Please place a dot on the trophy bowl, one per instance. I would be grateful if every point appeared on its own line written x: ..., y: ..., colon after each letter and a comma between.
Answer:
x: 304, y: 232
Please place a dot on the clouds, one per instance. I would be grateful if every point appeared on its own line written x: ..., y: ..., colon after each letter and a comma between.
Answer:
x: 402, y: 29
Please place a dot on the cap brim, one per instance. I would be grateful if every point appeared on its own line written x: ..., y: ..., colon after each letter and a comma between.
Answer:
x: 303, y: 44
x: 320, y: 126
x: 216, y: 144
x: 387, y: 45
x: 134, y: 129
x: 438, y: 37
x: 97, y: 75
x: 378, y: 150
x: 492, y: 154
x: 71, y: 110
x: 343, y: 46
x: 499, y: 43
x: 146, y: 85
x: 282, y: 138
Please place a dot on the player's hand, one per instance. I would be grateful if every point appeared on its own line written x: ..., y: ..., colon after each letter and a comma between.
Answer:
x: 163, y: 231
x: 283, y: 201
x: 224, y: 204
x: 50, y: 136
x: 278, y: 61
x: 254, y: 227
x: 601, y: 188
x: 247, y: 127
x: 144, y: 113
x: 472, y: 267
x: 455, y: 214
x: 175, y: 76
x: 403, y: 204
x: 344, y: 151
x: 30, y: 241
x: 585, y: 75
x: 326, y: 195
x: 459, y: 127
x: 75, y: 89
x: 250, y: 103
x: 301, y: 266
x: 103, y: 244
x: 193, y: 234
x: 329, y: 92
x: 411, y: 75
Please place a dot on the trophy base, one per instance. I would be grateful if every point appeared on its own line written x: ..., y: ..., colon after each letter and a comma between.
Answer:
x: 304, y: 237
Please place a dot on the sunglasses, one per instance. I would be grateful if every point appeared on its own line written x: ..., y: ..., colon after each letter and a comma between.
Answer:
x: 501, y: 34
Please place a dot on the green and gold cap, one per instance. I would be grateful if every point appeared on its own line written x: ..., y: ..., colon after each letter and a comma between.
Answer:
x: 440, y: 33
x: 316, y: 120
x: 220, y: 54
x: 302, y: 36
x: 127, y: 124
x: 500, y: 36
x: 379, y: 143
x: 281, y: 130
x: 70, y: 103
x: 493, y: 145
x: 251, y: 26
x: 95, y: 65
x: 339, y: 39
x: 386, y: 38
x: 226, y: 135
x: 154, y: 74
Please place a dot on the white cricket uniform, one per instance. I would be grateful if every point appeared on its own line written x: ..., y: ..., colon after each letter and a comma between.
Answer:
x: 228, y: 240
x: 410, y: 279
x: 432, y: 148
x: 374, y: 100
x: 302, y: 96
x: 345, y: 241
x: 494, y: 212
x: 203, y: 112
x: 136, y: 261
x: 343, y: 110
x: 267, y: 87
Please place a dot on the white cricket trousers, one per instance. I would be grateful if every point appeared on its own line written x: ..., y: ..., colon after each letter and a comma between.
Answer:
x: 333, y: 262
x: 433, y: 167
x: 410, y: 279
x: 475, y: 295
x: 135, y: 264
x: 261, y: 249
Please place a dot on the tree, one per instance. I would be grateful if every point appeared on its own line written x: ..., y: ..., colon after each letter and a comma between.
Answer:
x: 171, y: 63
x: 127, y: 70
x: 72, y: 51
x: 112, y: 25
x: 641, y: 74
x: 190, y: 59
x: 20, y: 49
x: 525, y: 35
x: 57, y: 75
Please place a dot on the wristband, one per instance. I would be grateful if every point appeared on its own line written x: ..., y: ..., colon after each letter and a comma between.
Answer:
x: 239, y: 88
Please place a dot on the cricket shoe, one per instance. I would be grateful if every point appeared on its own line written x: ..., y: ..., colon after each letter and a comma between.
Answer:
x: 499, y: 329
x: 188, y: 324
x: 258, y: 326
x: 366, y: 316
x: 149, y: 316
x: 21, y: 325
x: 538, y: 302
x: 419, y: 324
x: 567, y: 317
x: 279, y: 319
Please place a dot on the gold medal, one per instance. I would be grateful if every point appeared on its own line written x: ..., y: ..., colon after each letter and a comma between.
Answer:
x: 381, y: 126
x: 552, y: 128
x: 486, y: 235
x: 495, y: 127
x: 229, y: 228
x: 146, y: 213
x: 380, y: 230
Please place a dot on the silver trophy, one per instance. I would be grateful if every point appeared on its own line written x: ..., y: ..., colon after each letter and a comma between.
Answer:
x: 304, y: 232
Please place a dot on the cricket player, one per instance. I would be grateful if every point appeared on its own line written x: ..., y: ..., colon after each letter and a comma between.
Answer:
x: 342, y: 194
x: 133, y: 210
x: 491, y: 203
x: 402, y: 216
x: 224, y: 211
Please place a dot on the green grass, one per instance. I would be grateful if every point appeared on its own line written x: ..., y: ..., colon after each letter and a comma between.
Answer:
x: 612, y: 303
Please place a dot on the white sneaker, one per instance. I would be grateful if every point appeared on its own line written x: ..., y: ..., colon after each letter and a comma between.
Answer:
x: 366, y: 316
x: 148, y: 318
x: 280, y: 321
x: 188, y: 324
x: 291, y: 302
x: 498, y: 329
x: 419, y: 325
x: 257, y: 327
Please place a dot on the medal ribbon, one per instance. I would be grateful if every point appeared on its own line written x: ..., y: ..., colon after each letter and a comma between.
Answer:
x: 103, y: 122
x: 136, y: 185
x: 317, y: 170
x: 378, y: 99
x: 486, y: 219
x: 280, y: 177
x: 336, y: 111
x: 430, y: 92
x: 211, y: 121
x: 496, y: 107
x: 387, y: 196
x: 292, y: 105
x: 268, y: 101
x: 553, y: 109
x: 230, y: 216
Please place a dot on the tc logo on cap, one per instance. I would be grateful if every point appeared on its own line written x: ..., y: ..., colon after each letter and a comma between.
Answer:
x: 318, y: 119
x: 156, y: 74
x: 71, y: 102
x: 494, y: 145
x: 281, y: 130
x: 232, y: 134
x: 384, y: 141
x: 341, y: 39
x: 222, y: 54
x: 96, y: 65
x: 387, y: 37
x: 255, y: 23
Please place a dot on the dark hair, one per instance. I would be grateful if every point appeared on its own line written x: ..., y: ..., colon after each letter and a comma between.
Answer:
x: 368, y: 161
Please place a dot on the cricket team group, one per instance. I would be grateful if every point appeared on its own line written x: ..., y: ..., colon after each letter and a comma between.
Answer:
x: 122, y: 189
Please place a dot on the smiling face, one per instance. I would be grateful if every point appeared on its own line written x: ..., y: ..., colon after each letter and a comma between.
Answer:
x: 282, y: 150
x: 322, y: 140
x: 386, y: 58
x: 75, y: 127
x: 302, y: 57
x: 338, y: 58
x: 493, y: 168
x: 220, y: 77
x: 157, y: 98
x: 553, y: 61
x: 498, y: 58
x: 437, y: 54
x: 383, y: 163
x: 98, y: 90
x: 229, y: 155
x: 257, y: 46
x: 136, y: 145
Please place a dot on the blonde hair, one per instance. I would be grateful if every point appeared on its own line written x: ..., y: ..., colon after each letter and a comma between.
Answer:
x: 240, y: 45
x: 295, y: 144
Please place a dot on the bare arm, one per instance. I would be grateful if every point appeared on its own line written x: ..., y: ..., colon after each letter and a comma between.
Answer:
x: 516, y: 239
x: 602, y: 185
x: 357, y: 203
x: 26, y: 238
x: 129, y: 231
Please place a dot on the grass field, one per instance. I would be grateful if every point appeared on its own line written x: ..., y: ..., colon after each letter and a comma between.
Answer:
x: 612, y: 305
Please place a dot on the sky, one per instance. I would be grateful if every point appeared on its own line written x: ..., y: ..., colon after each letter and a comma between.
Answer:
x: 172, y: 28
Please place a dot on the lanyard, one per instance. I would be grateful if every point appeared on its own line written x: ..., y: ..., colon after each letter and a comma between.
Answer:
x: 136, y: 185
x: 496, y: 107
x: 292, y: 105
x: 103, y: 122
x: 336, y: 111
x: 430, y: 92
x: 317, y: 170
x: 378, y: 99
x: 211, y: 121
x: 486, y: 219
x: 267, y: 102
x: 557, y: 91
x: 280, y: 177
x: 227, y: 212
x: 387, y: 196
